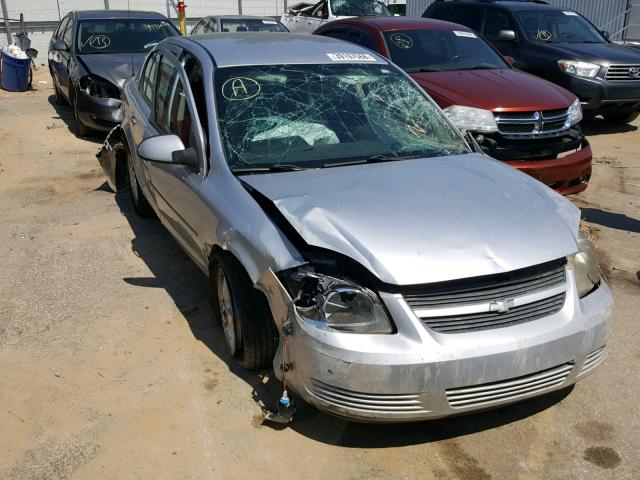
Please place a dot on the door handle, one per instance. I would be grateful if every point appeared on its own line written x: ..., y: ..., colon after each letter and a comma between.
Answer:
x: 133, y: 119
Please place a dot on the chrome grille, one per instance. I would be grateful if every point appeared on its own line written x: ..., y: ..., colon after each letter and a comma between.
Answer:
x: 509, y: 390
x: 623, y: 73
x: 512, y: 284
x: 594, y: 359
x: 494, y: 301
x: 389, y: 403
x: 488, y: 320
x: 521, y: 124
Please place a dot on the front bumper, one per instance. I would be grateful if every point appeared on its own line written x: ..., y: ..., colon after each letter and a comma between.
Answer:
x: 99, y: 113
x: 418, y: 374
x: 567, y: 175
x: 599, y: 96
x: 562, y: 162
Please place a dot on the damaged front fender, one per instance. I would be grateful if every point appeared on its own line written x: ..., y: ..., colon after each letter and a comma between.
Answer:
x: 112, y: 158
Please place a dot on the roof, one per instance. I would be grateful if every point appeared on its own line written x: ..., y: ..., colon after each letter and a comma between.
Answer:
x: 399, y: 23
x: 258, y: 48
x: 113, y: 14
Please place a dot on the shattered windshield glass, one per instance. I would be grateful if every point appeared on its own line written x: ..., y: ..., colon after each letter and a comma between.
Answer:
x: 311, y: 116
x: 357, y: 8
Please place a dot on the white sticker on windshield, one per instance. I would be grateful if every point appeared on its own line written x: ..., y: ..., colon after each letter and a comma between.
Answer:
x: 351, y: 57
x: 571, y: 14
x: 465, y: 34
x: 269, y: 22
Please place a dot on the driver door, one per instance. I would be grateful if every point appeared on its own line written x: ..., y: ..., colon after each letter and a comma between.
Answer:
x: 176, y: 188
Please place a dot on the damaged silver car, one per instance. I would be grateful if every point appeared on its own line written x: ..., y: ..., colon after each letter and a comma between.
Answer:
x: 353, y: 238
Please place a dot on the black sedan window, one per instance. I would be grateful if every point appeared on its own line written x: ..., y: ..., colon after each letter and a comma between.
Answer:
x: 122, y: 36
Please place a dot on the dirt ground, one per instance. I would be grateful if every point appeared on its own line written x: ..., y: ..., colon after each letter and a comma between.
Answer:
x: 111, y: 368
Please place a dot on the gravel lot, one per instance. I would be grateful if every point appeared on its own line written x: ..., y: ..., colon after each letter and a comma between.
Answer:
x: 111, y: 368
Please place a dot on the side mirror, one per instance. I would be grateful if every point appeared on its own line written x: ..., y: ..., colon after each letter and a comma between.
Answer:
x: 605, y: 34
x: 507, y: 35
x: 60, y: 46
x: 167, y: 149
x: 510, y: 60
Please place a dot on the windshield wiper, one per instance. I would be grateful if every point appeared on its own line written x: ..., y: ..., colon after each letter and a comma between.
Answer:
x: 422, y: 70
x: 270, y: 169
x: 481, y: 66
x: 372, y: 159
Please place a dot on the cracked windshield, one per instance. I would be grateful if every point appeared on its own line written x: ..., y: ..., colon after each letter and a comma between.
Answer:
x: 310, y: 116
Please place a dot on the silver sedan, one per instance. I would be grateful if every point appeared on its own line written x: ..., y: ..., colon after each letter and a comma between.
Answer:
x: 353, y: 238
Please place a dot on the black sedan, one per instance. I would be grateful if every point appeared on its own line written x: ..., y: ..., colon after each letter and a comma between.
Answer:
x: 92, y: 53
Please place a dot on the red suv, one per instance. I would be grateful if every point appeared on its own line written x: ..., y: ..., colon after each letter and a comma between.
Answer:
x: 515, y: 117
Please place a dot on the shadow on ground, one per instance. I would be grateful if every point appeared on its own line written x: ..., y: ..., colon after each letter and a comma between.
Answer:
x: 174, y: 272
x: 618, y: 221
x: 599, y: 126
x: 65, y: 113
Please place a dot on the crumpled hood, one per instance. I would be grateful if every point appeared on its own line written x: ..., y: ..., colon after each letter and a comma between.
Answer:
x: 601, y: 53
x: 427, y: 220
x: 499, y: 89
x: 116, y: 67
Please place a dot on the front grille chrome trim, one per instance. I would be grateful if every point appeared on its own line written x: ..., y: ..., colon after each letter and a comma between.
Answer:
x: 532, y: 124
x: 508, y: 390
x: 618, y: 73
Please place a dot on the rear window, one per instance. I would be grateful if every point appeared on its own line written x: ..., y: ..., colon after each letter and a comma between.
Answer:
x: 441, y: 50
x: 252, y: 25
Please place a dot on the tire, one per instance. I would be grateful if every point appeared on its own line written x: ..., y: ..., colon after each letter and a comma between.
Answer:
x: 139, y: 201
x: 621, y: 118
x: 81, y: 129
x: 245, y: 310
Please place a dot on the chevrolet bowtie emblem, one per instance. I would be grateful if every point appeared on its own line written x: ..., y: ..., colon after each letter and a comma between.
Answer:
x: 502, y: 306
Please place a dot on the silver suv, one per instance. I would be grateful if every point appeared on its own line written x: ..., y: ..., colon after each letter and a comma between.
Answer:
x: 352, y: 237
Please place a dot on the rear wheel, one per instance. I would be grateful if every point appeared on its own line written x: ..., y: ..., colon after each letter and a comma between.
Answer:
x: 621, y: 118
x: 250, y: 333
x: 139, y: 201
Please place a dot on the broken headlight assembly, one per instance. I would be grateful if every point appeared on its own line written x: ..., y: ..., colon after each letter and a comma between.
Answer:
x: 95, y: 86
x: 586, y: 267
x: 338, y: 305
x: 474, y: 119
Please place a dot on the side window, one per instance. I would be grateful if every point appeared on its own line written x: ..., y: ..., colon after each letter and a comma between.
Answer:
x: 165, y: 89
x: 442, y: 12
x: 68, y: 31
x: 63, y: 25
x: 469, y: 16
x: 336, y: 33
x: 180, y: 118
x: 195, y: 74
x: 148, y: 77
x: 320, y: 10
x: 362, y: 38
x: 496, y: 20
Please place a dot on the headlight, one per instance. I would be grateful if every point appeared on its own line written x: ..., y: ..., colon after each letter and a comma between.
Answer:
x: 585, y: 265
x: 579, y: 69
x: 339, y: 305
x: 98, y: 87
x: 468, y: 118
x: 575, y: 114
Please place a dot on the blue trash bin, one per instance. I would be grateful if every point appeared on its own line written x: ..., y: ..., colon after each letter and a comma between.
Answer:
x: 14, y: 75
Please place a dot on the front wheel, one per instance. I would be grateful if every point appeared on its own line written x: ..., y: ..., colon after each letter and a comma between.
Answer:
x: 621, y: 118
x: 139, y: 201
x: 249, y: 330
x: 81, y: 129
